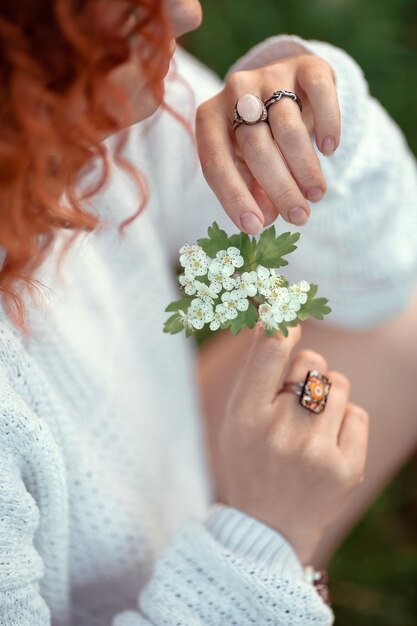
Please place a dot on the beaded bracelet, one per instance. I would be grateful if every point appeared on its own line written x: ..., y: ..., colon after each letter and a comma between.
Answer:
x: 320, y: 579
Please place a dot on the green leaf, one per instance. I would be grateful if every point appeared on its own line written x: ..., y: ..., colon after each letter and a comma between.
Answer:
x: 270, y: 332
x: 189, y: 332
x: 283, y: 329
x: 284, y: 326
x: 318, y: 308
x: 312, y: 292
x: 217, y: 240
x: 179, y: 305
x: 247, y: 318
x: 247, y: 247
x: 173, y: 324
x: 314, y: 307
x: 271, y: 249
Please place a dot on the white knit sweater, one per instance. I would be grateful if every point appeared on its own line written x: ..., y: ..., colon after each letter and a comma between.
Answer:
x: 104, y: 492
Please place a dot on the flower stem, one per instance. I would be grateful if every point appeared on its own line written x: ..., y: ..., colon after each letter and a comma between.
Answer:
x: 245, y: 268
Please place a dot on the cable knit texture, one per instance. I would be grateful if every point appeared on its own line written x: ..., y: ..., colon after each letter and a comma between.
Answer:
x: 104, y: 489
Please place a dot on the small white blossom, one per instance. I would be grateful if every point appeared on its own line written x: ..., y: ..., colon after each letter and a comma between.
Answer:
x: 286, y: 309
x: 263, y: 276
x: 219, y: 317
x: 266, y: 315
x: 219, y: 281
x: 200, y: 313
x: 197, y: 265
x: 189, y: 252
x: 279, y: 295
x: 226, y: 261
x: 188, y: 283
x: 300, y: 290
x: 245, y: 284
x: 185, y: 319
x: 233, y: 302
x: 205, y: 292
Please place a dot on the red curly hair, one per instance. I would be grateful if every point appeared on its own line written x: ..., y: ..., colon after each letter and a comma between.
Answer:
x: 54, y: 70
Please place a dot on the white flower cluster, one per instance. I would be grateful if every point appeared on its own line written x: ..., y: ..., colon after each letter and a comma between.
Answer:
x: 233, y: 290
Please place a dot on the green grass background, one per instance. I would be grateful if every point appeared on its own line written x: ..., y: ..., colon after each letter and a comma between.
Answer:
x: 374, y: 573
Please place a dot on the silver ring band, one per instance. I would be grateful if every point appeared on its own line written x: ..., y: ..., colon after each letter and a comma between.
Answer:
x: 296, y: 388
x: 277, y: 95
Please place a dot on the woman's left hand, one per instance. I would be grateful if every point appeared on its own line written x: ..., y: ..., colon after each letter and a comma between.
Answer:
x: 264, y: 170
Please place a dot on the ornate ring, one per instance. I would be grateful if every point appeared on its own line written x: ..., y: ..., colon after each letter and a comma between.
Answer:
x: 249, y: 109
x: 313, y: 392
x: 277, y: 95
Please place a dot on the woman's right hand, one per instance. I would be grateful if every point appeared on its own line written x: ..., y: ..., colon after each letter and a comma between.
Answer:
x: 289, y: 468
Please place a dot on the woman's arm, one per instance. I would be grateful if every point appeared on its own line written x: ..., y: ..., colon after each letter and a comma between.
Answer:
x: 197, y: 581
x: 207, y: 576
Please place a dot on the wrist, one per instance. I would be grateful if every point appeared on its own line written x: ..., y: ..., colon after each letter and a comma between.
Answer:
x: 303, y: 540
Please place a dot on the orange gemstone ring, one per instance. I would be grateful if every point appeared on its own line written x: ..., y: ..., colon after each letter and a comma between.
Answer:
x: 313, y: 392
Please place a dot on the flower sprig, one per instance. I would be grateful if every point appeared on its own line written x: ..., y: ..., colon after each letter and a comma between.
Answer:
x: 231, y: 282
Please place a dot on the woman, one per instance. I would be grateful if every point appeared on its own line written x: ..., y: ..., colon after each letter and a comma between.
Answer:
x: 99, y: 468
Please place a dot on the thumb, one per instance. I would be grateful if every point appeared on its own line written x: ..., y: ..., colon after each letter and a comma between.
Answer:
x: 263, y: 370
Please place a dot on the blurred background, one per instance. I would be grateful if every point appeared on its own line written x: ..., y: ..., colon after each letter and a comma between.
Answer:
x: 374, y: 573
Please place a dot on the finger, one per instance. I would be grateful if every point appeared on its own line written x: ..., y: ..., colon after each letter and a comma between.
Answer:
x: 330, y: 420
x: 266, y: 163
x: 317, y: 80
x: 353, y: 438
x: 269, y: 212
x: 264, y: 368
x: 291, y: 135
x: 217, y: 156
x: 304, y: 361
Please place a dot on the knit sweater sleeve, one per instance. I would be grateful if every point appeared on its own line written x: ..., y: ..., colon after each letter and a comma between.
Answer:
x: 360, y: 243
x: 232, y: 569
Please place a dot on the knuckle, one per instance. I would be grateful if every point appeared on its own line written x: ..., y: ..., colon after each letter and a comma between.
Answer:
x: 289, y: 130
x: 212, y: 162
x: 201, y: 112
x: 352, y: 476
x: 276, y: 439
x: 340, y: 382
x: 311, y: 172
x: 344, y: 475
x: 320, y: 85
x: 359, y: 413
x: 206, y: 113
x: 234, y: 200
x: 311, y: 360
x: 313, y: 68
x: 276, y: 346
x: 314, y: 453
x: 237, y: 80
x: 359, y: 418
x: 332, y: 117
x: 250, y: 141
x: 285, y: 197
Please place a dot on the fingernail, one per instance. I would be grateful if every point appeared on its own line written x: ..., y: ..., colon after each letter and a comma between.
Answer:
x: 297, y: 215
x: 314, y: 194
x: 328, y: 146
x: 251, y: 224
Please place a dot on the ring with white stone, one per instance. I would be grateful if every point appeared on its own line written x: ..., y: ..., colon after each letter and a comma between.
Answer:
x: 249, y: 109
